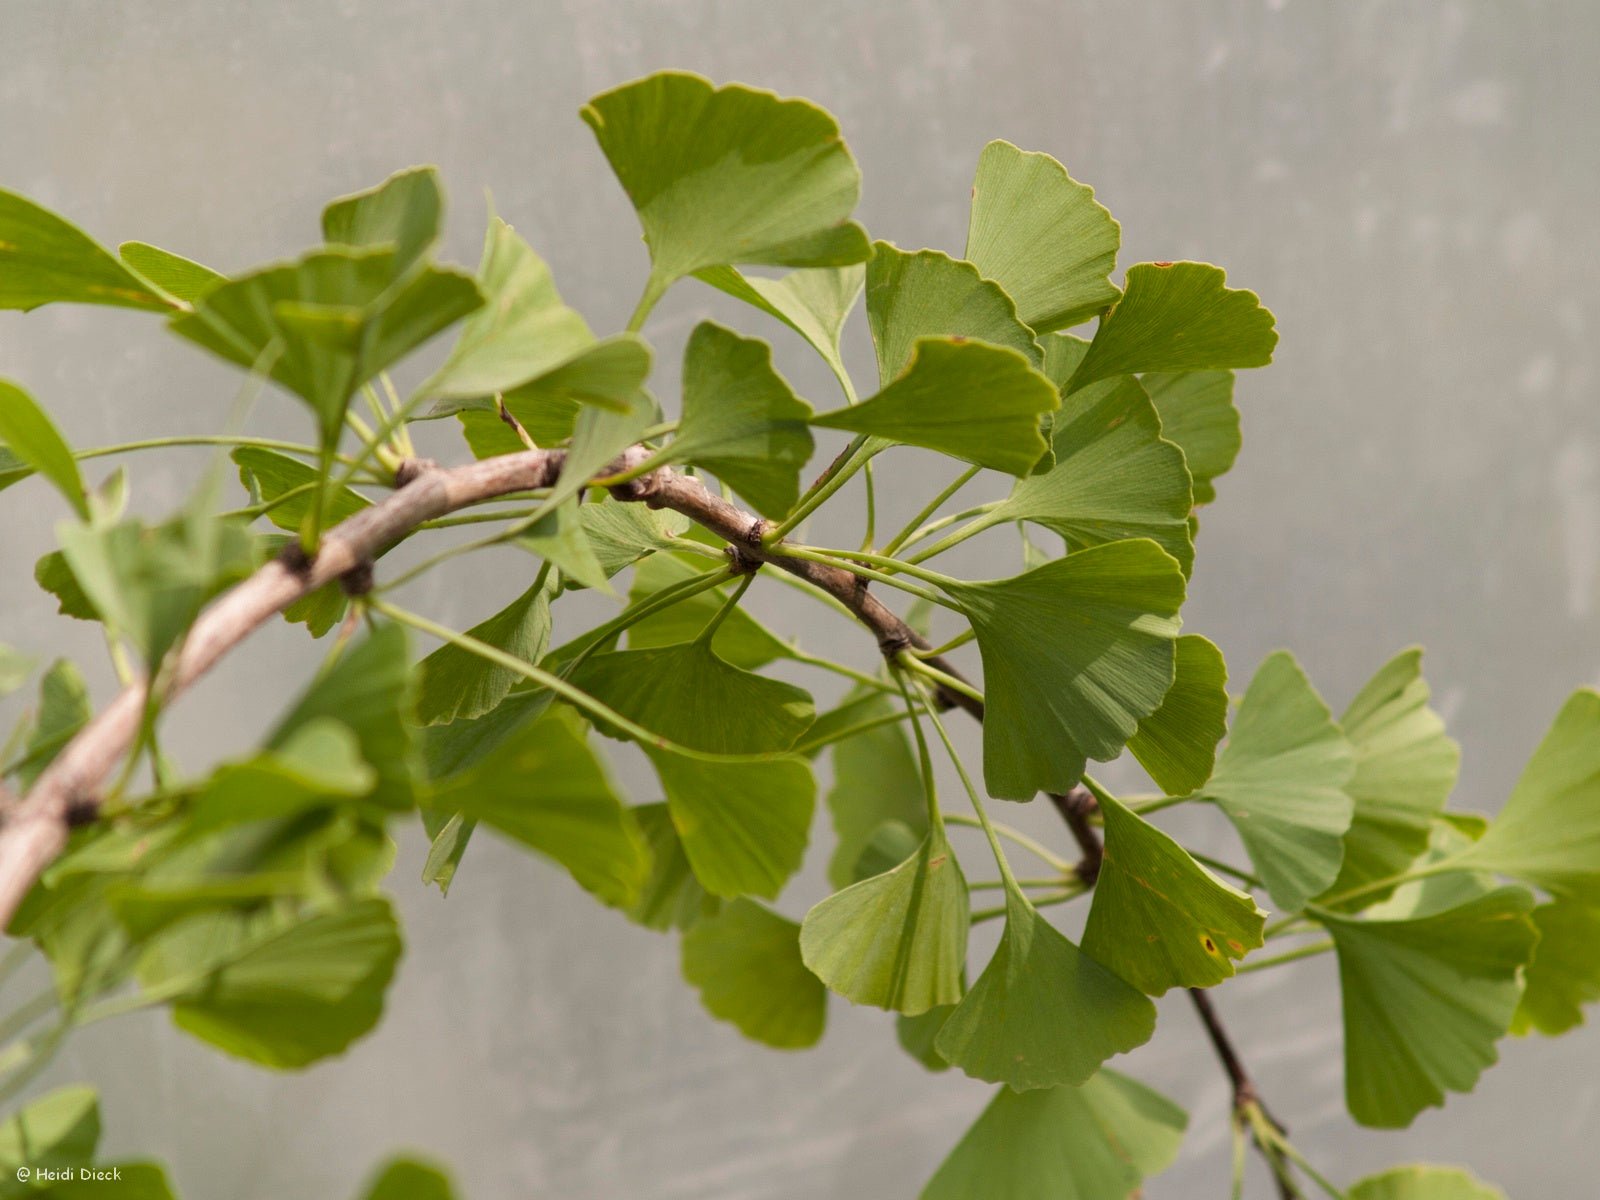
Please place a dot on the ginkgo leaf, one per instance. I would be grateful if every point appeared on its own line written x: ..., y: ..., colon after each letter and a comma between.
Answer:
x: 741, y: 421
x: 59, y: 1129
x: 455, y: 685
x: 369, y: 688
x: 1406, y: 766
x: 326, y: 323
x: 744, y: 826
x: 815, y: 302
x: 63, y: 709
x: 407, y: 1179
x: 560, y: 539
x: 288, y: 484
x: 740, y: 640
x: 1178, y: 317
x: 1042, y: 237
x: 974, y: 401
x: 403, y: 213
x: 1280, y: 779
x: 1114, y: 475
x: 1197, y: 414
x: 1075, y: 654
x: 875, y: 779
x: 745, y: 962
x: 32, y: 436
x: 149, y: 582
x: 926, y: 293
x: 1097, y: 1141
x: 1043, y: 1013
x: 1548, y: 833
x: 523, y: 331
x: 600, y: 433
x: 896, y: 940
x: 688, y: 695
x: 1425, y: 999
x: 280, y: 994
x: 179, y: 277
x: 44, y: 259
x: 547, y: 789
x: 671, y: 897
x: 620, y: 533
x: 1159, y: 919
x: 916, y: 1035
x: 728, y: 175
x: 1423, y: 1182
x: 1177, y: 744
x: 1565, y: 972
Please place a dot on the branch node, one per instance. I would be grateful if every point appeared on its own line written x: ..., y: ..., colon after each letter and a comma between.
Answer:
x: 80, y: 811
x: 412, y: 469
x: 358, y: 580
x: 295, y: 560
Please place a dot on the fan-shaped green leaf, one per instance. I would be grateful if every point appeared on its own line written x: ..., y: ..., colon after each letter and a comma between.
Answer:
x: 1423, y: 1183
x: 271, y: 477
x: 976, y: 402
x: 523, y: 330
x: 454, y: 685
x: 33, y: 437
x: 897, y: 940
x: 926, y: 293
x: 875, y: 779
x: 1043, y: 1013
x: 403, y: 213
x: 1160, y: 920
x: 559, y: 537
x: 547, y: 789
x: 44, y: 259
x: 741, y: 421
x: 740, y: 640
x: 279, y: 994
x: 370, y: 689
x: 1549, y: 831
x: 815, y: 303
x: 1094, y: 1142
x: 149, y: 583
x: 407, y: 1179
x: 1405, y: 769
x: 1075, y: 654
x: 916, y: 1035
x: 327, y: 323
x: 1281, y: 781
x: 1178, y: 317
x: 1565, y: 972
x: 728, y: 175
x: 64, y: 709
x: 672, y: 897
x: 745, y: 962
x: 1114, y: 476
x: 688, y: 695
x: 319, y: 764
x: 1177, y: 744
x: 1042, y: 237
x: 59, y: 1129
x: 179, y: 277
x: 1425, y: 999
x: 600, y: 433
x: 1197, y: 413
x: 744, y: 826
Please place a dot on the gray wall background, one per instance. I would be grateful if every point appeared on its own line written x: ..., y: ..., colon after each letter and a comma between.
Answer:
x: 1410, y: 187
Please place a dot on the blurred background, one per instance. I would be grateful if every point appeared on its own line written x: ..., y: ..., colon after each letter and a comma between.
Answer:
x: 1410, y: 188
